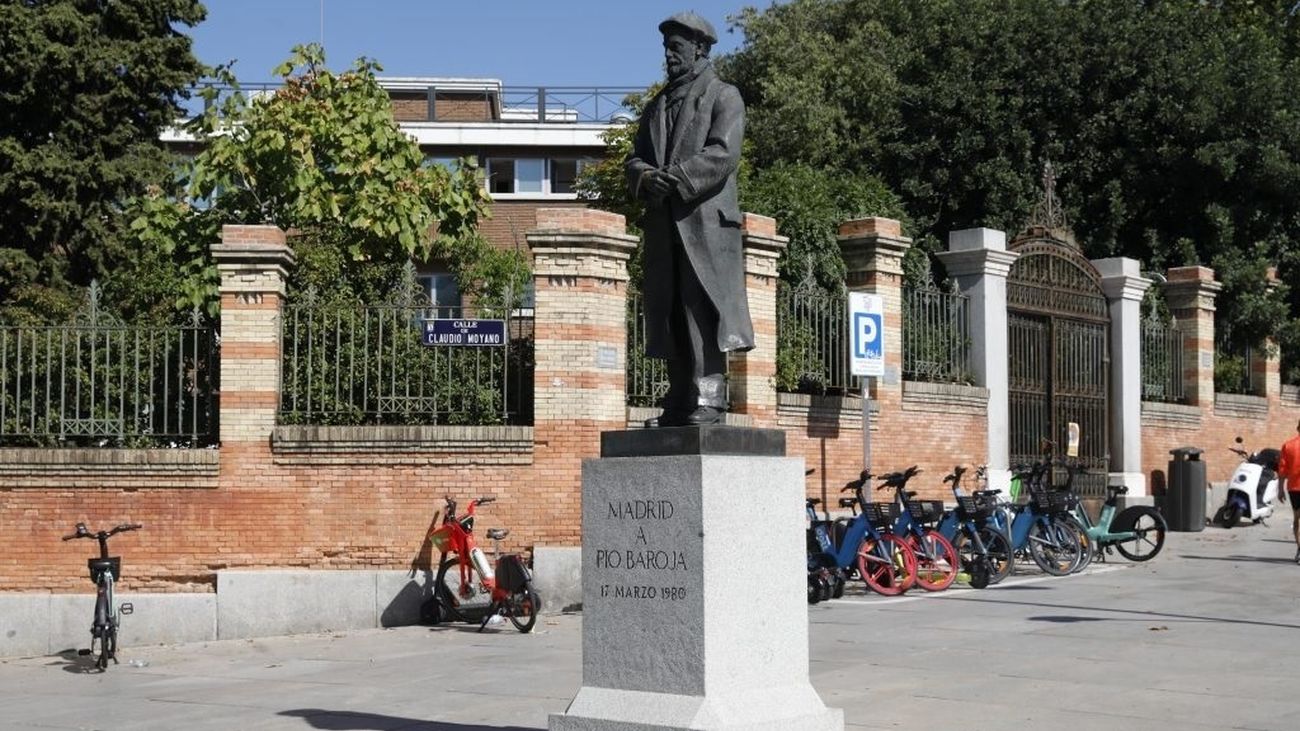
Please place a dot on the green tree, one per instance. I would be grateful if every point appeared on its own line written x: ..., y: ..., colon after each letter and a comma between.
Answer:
x: 323, y: 156
x: 85, y: 89
x: 1175, y: 125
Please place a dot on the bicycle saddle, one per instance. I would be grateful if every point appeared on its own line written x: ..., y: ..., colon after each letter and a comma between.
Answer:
x: 497, y: 534
x: 1118, y: 489
x: 848, y: 502
x: 812, y: 502
x: 909, y: 494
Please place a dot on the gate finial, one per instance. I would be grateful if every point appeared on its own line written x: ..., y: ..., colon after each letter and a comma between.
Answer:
x: 1048, y: 213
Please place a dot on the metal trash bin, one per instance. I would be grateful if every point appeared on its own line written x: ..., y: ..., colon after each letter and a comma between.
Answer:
x: 1185, y: 491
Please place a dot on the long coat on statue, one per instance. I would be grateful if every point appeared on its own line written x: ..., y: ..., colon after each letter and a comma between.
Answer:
x: 702, y: 152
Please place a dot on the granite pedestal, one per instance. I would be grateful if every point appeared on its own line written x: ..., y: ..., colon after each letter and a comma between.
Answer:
x: 695, y: 610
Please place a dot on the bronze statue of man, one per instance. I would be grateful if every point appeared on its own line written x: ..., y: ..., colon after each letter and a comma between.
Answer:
x: 683, y: 165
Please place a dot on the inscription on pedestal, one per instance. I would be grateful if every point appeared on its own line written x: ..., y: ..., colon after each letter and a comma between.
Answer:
x: 642, y: 564
x: 645, y: 558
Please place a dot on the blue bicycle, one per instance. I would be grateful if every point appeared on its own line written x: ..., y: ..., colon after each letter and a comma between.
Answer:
x: 883, y: 560
x: 1043, y: 527
x: 983, y: 548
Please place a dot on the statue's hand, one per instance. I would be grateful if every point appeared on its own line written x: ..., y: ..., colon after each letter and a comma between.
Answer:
x: 657, y: 184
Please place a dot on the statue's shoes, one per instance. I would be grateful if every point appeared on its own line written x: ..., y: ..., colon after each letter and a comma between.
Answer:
x: 704, y: 415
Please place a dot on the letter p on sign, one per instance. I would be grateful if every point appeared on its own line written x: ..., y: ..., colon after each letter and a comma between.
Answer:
x: 866, y: 334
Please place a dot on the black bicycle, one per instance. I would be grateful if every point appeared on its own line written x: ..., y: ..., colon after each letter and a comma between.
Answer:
x: 104, y: 571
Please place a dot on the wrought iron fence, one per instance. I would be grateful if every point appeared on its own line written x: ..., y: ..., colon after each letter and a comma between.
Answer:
x: 1233, y: 371
x: 97, y: 382
x: 812, y: 351
x: 348, y: 364
x: 936, y: 335
x: 647, y: 378
x: 1162, y: 361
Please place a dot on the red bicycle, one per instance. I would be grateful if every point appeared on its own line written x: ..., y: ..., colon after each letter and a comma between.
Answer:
x: 508, y: 585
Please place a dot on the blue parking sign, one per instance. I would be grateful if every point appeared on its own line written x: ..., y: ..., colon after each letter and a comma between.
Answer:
x: 866, y: 334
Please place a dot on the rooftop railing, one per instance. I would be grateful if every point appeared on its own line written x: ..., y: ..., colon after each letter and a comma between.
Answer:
x: 461, y: 103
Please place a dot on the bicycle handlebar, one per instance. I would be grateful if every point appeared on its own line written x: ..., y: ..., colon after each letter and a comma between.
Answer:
x: 82, y: 532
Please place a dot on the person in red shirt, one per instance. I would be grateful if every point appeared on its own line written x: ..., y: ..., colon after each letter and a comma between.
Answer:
x: 1288, y: 469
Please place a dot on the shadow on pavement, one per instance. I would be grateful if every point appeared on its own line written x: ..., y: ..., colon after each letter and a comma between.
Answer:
x: 1167, y: 615
x: 321, y: 718
x: 74, y: 662
x: 1068, y: 619
x: 1235, y: 558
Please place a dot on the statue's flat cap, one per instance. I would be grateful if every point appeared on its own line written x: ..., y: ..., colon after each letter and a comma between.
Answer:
x: 692, y: 22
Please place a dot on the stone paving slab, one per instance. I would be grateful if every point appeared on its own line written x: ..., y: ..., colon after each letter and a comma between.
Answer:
x: 1204, y: 637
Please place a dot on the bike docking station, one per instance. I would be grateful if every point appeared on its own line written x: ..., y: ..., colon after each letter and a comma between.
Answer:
x: 694, y: 608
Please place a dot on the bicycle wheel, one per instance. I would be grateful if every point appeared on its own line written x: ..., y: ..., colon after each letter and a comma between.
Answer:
x: 1150, y: 528
x: 111, y: 643
x: 887, y: 565
x: 1053, y: 546
x: 936, y: 560
x: 522, y: 607
x: 102, y: 629
x: 449, y: 604
x: 1001, y: 558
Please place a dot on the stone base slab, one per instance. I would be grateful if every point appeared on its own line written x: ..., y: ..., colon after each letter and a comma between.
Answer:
x: 605, y: 709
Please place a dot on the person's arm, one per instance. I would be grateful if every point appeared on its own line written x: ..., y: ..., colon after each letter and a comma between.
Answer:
x: 708, y: 168
x: 1283, y: 469
x: 639, y: 171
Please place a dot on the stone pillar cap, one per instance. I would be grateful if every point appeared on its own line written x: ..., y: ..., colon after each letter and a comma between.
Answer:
x: 975, y: 239
x: 872, y: 226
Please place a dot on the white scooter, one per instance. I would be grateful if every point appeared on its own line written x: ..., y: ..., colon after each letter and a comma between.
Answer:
x: 1253, y: 488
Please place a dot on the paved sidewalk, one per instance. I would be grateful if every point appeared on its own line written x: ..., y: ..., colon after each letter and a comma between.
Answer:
x: 1204, y: 637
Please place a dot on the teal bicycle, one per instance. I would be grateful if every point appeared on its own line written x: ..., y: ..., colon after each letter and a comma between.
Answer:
x: 1137, y: 532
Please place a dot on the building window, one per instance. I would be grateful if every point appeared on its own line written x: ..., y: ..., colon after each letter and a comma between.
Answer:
x: 564, y: 173
x: 442, y: 289
x: 533, y: 176
x: 529, y: 175
x: 501, y: 175
x: 447, y: 163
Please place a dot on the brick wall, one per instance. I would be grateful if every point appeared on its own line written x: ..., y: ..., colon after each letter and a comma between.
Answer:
x: 413, y: 106
x: 512, y: 219
x: 936, y: 427
x: 1260, y: 422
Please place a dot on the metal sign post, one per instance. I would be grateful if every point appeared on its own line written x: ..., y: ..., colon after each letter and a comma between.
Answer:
x: 866, y: 354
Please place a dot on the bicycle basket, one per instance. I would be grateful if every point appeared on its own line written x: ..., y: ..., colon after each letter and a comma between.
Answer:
x: 925, y: 511
x: 972, y: 508
x: 511, y: 575
x: 1051, y: 501
x: 98, y: 566
x: 441, y: 539
x: 880, y: 515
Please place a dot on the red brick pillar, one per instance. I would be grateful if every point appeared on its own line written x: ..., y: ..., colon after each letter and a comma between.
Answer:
x: 253, y: 263
x: 752, y: 374
x: 1190, y: 292
x: 873, y: 251
x: 580, y: 277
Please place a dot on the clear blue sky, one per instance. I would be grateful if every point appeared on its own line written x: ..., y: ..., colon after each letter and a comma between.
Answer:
x: 520, y: 42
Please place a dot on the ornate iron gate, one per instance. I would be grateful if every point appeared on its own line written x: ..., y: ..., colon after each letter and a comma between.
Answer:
x: 1057, y: 335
